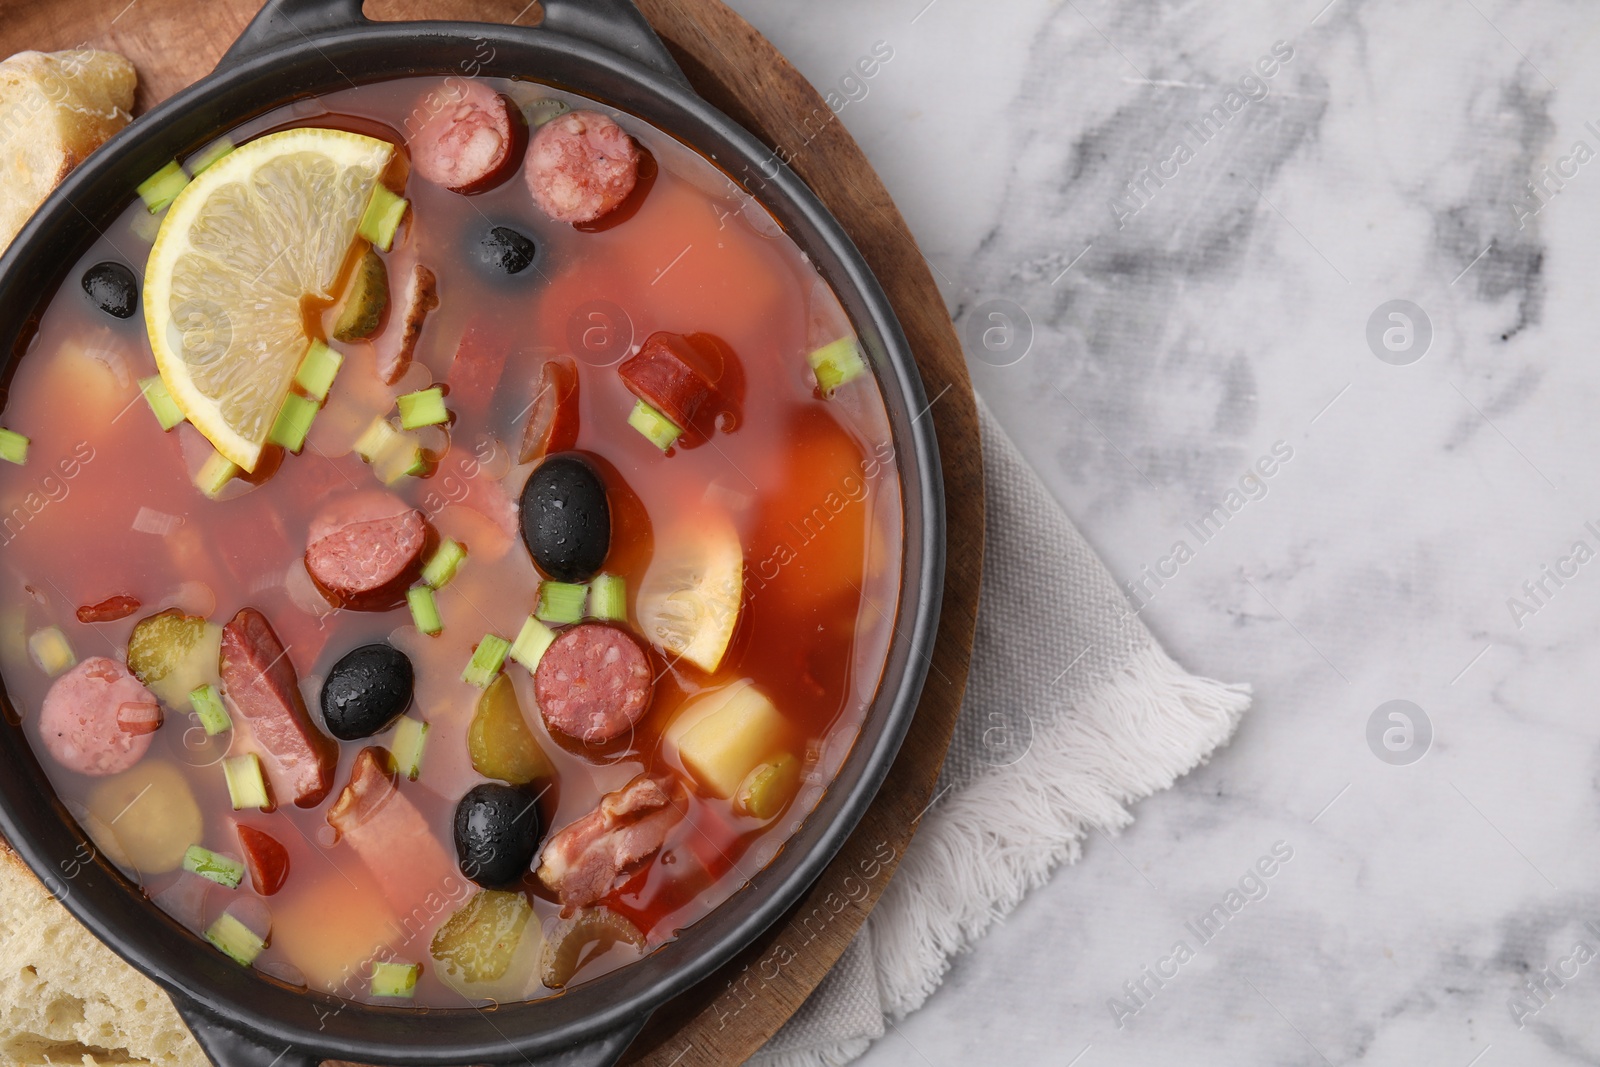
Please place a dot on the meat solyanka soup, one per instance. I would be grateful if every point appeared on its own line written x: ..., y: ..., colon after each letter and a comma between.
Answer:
x: 450, y: 540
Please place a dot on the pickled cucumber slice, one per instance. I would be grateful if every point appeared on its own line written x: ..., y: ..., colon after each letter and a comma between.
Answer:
x: 174, y: 654
x: 499, y: 740
x: 366, y: 300
x: 478, y: 942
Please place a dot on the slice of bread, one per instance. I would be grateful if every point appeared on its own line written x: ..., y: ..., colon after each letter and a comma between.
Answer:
x: 55, y: 108
x: 67, y: 999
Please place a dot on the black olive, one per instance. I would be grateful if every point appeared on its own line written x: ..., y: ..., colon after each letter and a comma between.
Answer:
x: 506, y: 250
x: 113, y: 288
x: 497, y: 830
x: 566, y: 521
x: 366, y: 691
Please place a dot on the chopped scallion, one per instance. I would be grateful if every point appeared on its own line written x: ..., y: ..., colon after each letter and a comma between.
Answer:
x: 13, y: 447
x: 235, y: 939
x: 208, y: 705
x: 317, y: 370
x: 166, y: 409
x: 442, y: 566
x: 376, y: 440
x: 207, y: 864
x: 656, y: 427
x: 425, y: 407
x: 608, y: 597
x: 294, y: 422
x: 837, y: 363
x: 214, y: 474
x: 160, y: 189
x: 560, y: 602
x: 394, y: 979
x: 424, y: 610
x: 209, y: 155
x: 487, y: 660
x: 50, y: 650
x: 247, y: 788
x: 402, y: 461
x: 382, y: 217
x: 531, y: 642
x: 410, y: 735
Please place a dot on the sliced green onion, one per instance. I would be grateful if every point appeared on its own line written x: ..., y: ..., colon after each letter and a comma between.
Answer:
x: 207, y: 864
x: 442, y: 566
x: 392, y: 979
x: 486, y: 661
x: 317, y: 370
x: 145, y: 227
x: 401, y: 462
x: 656, y: 427
x: 13, y: 447
x: 235, y: 939
x: 294, y: 422
x: 214, y: 474
x: 410, y: 735
x: 424, y: 610
x: 608, y: 597
x: 246, y: 786
x: 376, y: 440
x: 382, y: 217
x: 160, y: 189
x: 208, y: 705
x: 531, y: 642
x: 560, y: 602
x: 166, y: 409
x: 837, y: 363
x: 425, y: 407
x: 50, y: 650
x: 209, y: 155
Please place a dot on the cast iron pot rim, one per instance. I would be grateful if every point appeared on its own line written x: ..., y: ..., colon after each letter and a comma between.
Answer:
x: 918, y: 592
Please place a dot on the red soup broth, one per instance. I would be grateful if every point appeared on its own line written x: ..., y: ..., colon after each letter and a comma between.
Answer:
x: 106, y: 506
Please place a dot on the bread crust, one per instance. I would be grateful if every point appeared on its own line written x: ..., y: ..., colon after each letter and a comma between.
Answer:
x: 55, y: 109
x: 66, y: 998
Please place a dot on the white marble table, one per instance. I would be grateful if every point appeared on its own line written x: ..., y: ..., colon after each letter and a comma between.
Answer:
x: 1421, y: 543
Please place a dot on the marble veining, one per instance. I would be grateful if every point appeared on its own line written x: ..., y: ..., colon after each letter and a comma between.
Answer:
x: 1169, y: 318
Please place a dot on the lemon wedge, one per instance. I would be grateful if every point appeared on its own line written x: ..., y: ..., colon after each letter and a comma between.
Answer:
x: 241, y: 249
x: 690, y: 597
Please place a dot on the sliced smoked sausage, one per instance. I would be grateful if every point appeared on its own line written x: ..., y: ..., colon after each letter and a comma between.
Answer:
x: 663, y: 374
x: 469, y: 144
x: 365, y: 548
x: 580, y: 166
x: 79, y: 721
x: 262, y: 685
x: 593, y: 683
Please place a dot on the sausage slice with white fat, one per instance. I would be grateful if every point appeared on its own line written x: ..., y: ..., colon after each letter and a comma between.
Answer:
x: 469, y: 143
x: 580, y: 166
x: 96, y: 718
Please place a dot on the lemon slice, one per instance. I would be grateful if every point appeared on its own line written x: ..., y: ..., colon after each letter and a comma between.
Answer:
x: 242, y: 247
x: 690, y: 597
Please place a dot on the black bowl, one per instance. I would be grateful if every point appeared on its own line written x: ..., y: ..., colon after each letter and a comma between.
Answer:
x: 605, y: 50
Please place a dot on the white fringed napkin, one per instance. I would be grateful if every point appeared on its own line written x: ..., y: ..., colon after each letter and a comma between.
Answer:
x: 1071, y: 712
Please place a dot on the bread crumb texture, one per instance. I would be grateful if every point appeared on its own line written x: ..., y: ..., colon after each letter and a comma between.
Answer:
x: 67, y: 999
x: 55, y: 108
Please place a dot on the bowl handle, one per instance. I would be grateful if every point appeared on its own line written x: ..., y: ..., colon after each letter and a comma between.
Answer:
x: 228, y: 1046
x: 615, y: 25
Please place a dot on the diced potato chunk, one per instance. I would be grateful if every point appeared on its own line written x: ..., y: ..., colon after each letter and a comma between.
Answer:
x: 721, y: 744
x: 151, y: 814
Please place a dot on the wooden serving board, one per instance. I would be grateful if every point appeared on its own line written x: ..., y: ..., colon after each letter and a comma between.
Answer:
x: 728, y: 1017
